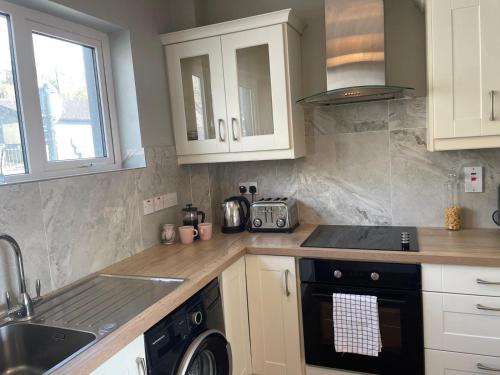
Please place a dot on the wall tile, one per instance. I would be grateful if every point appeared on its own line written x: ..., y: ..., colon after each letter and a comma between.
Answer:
x: 404, y: 113
x: 90, y: 222
x: 21, y: 217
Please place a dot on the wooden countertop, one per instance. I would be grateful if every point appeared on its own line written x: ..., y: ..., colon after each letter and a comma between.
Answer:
x: 201, y: 262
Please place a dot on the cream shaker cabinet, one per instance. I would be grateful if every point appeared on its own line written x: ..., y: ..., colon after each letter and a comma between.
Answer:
x: 234, y: 299
x: 274, y: 315
x: 463, y: 73
x: 233, y: 89
x: 131, y: 360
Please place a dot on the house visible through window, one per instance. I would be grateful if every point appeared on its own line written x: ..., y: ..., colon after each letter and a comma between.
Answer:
x: 69, y: 99
x: 11, y: 145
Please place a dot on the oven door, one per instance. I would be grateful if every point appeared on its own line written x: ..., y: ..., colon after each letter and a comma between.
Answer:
x: 400, y: 319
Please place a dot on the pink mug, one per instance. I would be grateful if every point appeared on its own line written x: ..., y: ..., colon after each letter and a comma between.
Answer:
x: 205, y: 230
x: 187, y: 234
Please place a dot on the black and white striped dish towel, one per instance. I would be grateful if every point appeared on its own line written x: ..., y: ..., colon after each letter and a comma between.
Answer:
x: 356, y: 324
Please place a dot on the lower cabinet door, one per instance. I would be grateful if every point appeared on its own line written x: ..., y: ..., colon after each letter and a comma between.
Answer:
x: 274, y: 315
x: 234, y: 299
x: 462, y: 323
x: 450, y: 363
x: 131, y: 360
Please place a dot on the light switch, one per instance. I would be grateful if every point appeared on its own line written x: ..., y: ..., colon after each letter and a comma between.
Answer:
x: 473, y: 179
x: 158, y: 203
x: 148, y: 206
x: 170, y: 200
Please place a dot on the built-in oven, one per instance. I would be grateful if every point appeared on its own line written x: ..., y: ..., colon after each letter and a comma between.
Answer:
x: 398, y: 291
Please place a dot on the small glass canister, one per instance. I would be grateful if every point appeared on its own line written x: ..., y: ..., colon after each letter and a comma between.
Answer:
x: 453, y: 211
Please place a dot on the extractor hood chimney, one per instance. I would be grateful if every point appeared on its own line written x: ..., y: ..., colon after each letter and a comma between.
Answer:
x: 375, y: 50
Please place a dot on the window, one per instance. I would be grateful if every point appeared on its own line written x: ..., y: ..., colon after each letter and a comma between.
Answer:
x: 11, y: 145
x: 56, y: 115
x: 69, y: 99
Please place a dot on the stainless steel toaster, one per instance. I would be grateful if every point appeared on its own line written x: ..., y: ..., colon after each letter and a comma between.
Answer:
x: 274, y: 215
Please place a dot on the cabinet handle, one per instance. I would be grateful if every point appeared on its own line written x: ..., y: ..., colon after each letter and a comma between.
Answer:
x: 287, y: 290
x: 480, y: 366
x: 221, y: 126
x: 482, y: 307
x: 141, y: 364
x: 486, y: 282
x: 233, y: 121
x: 492, y: 98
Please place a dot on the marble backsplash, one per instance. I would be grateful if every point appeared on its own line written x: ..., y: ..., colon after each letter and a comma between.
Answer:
x: 368, y: 164
x: 68, y: 228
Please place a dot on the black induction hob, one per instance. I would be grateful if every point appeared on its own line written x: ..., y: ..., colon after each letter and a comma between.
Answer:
x: 362, y: 237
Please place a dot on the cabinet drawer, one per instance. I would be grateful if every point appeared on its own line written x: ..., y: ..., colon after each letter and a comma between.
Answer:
x: 483, y: 281
x: 462, y: 323
x: 449, y: 363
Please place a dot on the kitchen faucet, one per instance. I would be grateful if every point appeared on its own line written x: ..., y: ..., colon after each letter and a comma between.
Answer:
x: 25, y: 308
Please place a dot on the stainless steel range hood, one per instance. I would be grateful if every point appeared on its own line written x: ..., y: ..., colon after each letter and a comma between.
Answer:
x: 375, y: 50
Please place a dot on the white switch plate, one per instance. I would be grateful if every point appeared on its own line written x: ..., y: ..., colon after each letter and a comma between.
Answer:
x: 247, y: 185
x: 148, y: 206
x: 170, y: 200
x: 158, y: 203
x: 473, y: 179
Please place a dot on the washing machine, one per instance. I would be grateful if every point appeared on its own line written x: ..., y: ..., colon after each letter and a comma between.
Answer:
x: 191, y: 340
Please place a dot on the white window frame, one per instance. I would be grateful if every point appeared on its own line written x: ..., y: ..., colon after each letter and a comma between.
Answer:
x: 23, y: 23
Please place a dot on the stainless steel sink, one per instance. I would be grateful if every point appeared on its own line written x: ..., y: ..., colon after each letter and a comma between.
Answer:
x: 35, y: 349
x: 68, y: 322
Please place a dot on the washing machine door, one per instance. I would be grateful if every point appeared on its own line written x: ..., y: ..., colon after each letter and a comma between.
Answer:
x: 208, y: 354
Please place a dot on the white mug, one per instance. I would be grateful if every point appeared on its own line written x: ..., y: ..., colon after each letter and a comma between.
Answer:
x: 168, y: 234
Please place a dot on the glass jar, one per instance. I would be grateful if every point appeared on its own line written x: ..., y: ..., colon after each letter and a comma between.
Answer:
x: 453, y: 211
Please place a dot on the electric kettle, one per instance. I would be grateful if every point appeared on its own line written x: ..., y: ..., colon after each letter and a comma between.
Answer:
x: 235, y: 214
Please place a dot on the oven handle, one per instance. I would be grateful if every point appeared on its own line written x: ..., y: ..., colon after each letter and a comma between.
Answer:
x: 480, y: 366
x: 387, y: 300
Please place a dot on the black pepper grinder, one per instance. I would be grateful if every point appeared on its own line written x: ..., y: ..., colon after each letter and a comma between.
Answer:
x: 190, y: 216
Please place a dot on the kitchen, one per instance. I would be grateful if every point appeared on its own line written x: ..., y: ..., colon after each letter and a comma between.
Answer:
x: 391, y: 163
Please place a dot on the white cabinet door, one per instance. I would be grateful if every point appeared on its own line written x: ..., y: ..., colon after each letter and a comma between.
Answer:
x: 448, y: 363
x: 234, y: 299
x: 256, y: 89
x: 462, y: 323
x: 131, y: 360
x: 274, y: 315
x: 464, y: 71
x: 196, y: 83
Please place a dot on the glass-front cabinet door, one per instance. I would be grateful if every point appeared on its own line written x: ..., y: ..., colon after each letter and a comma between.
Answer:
x: 256, y: 89
x: 196, y: 82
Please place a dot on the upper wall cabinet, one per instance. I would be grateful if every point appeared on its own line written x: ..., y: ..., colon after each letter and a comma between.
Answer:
x: 464, y: 74
x: 234, y: 87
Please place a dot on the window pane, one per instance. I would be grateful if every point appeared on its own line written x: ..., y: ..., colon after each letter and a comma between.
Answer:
x: 69, y: 99
x: 11, y: 145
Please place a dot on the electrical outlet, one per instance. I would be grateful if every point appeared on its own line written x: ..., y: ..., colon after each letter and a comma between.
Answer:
x: 170, y: 200
x: 148, y: 206
x: 473, y: 179
x: 158, y: 203
x: 247, y: 186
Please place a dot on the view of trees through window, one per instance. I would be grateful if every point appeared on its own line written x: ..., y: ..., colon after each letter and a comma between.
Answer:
x: 69, y: 100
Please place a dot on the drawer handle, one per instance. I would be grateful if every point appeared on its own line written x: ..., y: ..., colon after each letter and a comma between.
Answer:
x: 482, y: 307
x: 480, y: 366
x: 486, y: 282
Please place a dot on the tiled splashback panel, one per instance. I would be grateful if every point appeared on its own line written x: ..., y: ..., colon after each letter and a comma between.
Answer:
x: 368, y: 164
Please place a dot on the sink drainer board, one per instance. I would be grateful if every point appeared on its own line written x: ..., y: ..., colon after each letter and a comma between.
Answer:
x: 104, y: 302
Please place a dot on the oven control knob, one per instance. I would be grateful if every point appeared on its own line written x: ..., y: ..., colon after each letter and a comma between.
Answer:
x: 280, y: 222
x: 257, y: 223
x: 375, y: 276
x: 337, y: 274
x: 197, y: 318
